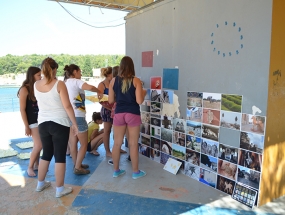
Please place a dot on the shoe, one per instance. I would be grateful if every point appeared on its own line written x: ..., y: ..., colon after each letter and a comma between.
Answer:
x: 110, y: 162
x: 85, y: 166
x: 139, y: 175
x: 66, y: 191
x: 129, y: 158
x: 117, y: 174
x: 41, y: 188
x: 81, y: 171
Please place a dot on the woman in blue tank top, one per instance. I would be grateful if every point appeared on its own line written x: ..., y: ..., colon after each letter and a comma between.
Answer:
x: 128, y: 93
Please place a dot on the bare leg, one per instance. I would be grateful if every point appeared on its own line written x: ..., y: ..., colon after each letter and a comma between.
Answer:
x: 119, y: 132
x: 83, y: 139
x: 59, y: 174
x: 73, y: 147
x: 133, y: 138
x: 34, y: 158
x: 43, y: 168
x: 106, y: 138
x: 95, y: 143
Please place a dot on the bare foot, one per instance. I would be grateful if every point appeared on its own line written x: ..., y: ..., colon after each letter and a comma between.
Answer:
x: 31, y: 172
x: 123, y: 151
x: 94, y: 152
x: 108, y: 154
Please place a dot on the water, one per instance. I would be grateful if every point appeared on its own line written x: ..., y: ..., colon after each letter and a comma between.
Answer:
x: 9, y: 102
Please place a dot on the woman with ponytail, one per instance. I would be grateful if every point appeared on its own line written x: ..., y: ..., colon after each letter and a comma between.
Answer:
x: 127, y: 91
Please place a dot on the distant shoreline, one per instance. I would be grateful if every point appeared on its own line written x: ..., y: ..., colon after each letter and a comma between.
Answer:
x: 9, y: 85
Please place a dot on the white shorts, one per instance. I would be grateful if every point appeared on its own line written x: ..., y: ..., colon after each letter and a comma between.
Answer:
x: 35, y: 125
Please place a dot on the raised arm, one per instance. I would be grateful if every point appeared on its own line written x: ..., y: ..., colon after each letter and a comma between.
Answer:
x: 23, y: 94
x: 140, y: 92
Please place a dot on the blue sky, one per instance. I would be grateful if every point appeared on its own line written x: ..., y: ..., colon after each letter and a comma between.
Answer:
x: 44, y: 27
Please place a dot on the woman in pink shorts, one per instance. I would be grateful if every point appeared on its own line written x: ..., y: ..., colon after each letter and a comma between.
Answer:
x: 129, y: 94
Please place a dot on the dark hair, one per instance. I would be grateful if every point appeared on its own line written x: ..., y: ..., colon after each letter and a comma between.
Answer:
x: 96, y: 116
x: 69, y: 70
x: 127, y: 72
x: 48, y: 65
x: 115, y: 71
x: 106, y: 71
x: 29, y: 82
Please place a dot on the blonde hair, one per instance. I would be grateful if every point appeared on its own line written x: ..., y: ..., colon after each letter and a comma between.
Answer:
x: 106, y: 71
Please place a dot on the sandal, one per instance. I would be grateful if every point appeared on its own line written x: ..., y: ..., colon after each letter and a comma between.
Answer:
x: 84, y: 166
x: 81, y: 171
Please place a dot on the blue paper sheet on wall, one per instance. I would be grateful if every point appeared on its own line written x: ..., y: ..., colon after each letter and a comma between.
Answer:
x: 170, y: 79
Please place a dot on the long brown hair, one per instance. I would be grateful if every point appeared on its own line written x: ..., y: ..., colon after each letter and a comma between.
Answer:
x: 29, y: 82
x: 48, y: 65
x: 127, y: 72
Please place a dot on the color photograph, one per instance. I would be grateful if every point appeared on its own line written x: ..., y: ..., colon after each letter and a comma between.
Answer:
x: 253, y: 123
x: 194, y: 114
x: 212, y: 101
x: 145, y: 128
x: 155, y: 143
x: 192, y: 157
x: 209, y: 162
x: 248, y: 177
x: 225, y: 185
x: 155, y: 95
x: 167, y: 96
x: 178, y: 138
x: 192, y: 171
x: 155, y: 108
x: 209, y: 147
x: 145, y: 117
x: 166, y: 147
x: 164, y: 158
x: 245, y: 195
x: 145, y: 106
x: 193, y: 128
x: 155, y: 131
x: 145, y: 139
x: 231, y: 103
x: 166, y: 122
x: 228, y: 153
x: 147, y: 96
x: 194, y: 99
x: 178, y: 151
x: 166, y: 134
x: 207, y: 177
x: 193, y: 143
x: 144, y: 150
x: 210, y: 132
x: 155, y: 82
x: 250, y: 160
x: 211, y: 117
x: 179, y: 125
x: 227, y: 169
x: 230, y: 120
x: 155, y: 155
x: 252, y: 142
x: 155, y: 121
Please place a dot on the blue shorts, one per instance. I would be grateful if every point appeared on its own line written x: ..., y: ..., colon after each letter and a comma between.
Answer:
x: 82, y: 124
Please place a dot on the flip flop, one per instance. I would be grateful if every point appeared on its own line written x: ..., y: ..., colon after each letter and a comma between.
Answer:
x: 123, y: 151
x: 95, y: 153
x: 31, y: 176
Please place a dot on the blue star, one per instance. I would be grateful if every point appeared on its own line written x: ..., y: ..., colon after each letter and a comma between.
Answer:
x: 212, y: 34
x: 212, y: 42
x: 217, y: 25
x: 234, y: 24
x: 226, y: 23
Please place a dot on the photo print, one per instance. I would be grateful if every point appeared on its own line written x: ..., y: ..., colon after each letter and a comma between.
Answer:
x: 145, y: 128
x: 248, y: 177
x: 212, y: 101
x: 227, y: 169
x: 211, y: 117
x: 155, y: 121
x: 194, y: 99
x: 207, y: 177
x: 145, y: 139
x: 167, y: 96
x: 192, y: 171
x: 245, y: 195
x: 155, y: 82
x: 210, y: 132
x: 145, y: 117
x: 209, y: 147
x: 155, y: 131
x: 225, y: 185
x: 166, y: 147
x: 155, y: 108
x: 178, y: 138
x: 147, y: 96
x: 166, y: 135
x: 193, y: 143
x: 252, y: 142
x: 228, y: 153
x: 253, y: 123
x: 193, y: 128
x: 250, y: 160
x: 155, y: 155
x: 231, y: 103
x: 164, y: 158
x: 178, y: 151
x: 192, y: 157
x: 209, y: 162
x: 179, y: 125
x: 230, y: 120
x: 194, y: 114
x: 145, y: 106
x: 155, y: 143
x: 166, y: 122
x: 144, y: 150
x: 155, y: 95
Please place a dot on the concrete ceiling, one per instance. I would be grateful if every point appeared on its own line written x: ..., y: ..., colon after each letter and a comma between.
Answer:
x: 123, y: 5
